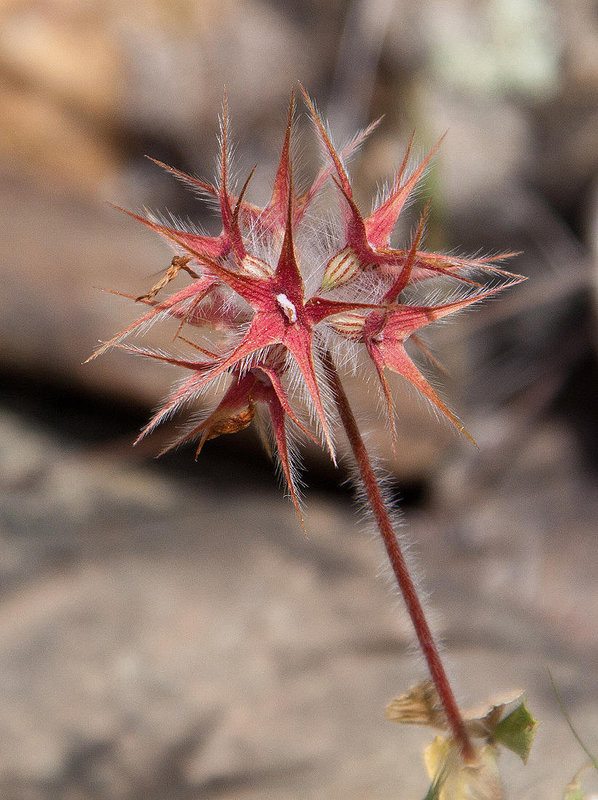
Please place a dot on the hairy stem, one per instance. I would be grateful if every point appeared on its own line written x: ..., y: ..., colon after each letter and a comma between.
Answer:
x: 398, y: 563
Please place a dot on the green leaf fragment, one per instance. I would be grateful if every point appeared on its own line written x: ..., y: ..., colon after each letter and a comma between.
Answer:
x: 517, y: 731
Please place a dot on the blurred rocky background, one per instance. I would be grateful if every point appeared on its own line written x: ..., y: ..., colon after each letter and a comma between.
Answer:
x: 166, y: 631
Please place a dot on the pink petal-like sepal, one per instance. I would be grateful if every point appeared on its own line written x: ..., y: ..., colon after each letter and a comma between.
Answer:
x: 266, y: 393
x: 175, y: 306
x: 384, y: 333
x: 380, y: 224
x: 210, y: 246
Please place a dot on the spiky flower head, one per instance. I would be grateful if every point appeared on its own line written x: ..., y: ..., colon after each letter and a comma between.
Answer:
x: 285, y: 286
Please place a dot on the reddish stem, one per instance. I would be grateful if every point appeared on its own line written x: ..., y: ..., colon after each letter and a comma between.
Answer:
x: 399, y: 565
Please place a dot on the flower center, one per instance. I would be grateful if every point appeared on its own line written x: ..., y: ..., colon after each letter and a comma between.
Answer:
x: 287, y: 308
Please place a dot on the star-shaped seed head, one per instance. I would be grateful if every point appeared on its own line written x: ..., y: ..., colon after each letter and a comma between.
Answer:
x: 253, y: 285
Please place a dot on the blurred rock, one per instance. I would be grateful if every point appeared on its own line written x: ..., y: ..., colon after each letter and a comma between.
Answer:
x: 165, y: 640
x: 40, y: 141
x: 60, y: 252
x: 65, y: 53
x: 519, y: 503
x: 85, y: 83
x: 62, y: 75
